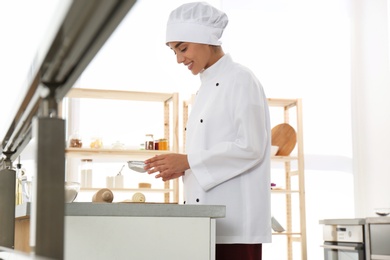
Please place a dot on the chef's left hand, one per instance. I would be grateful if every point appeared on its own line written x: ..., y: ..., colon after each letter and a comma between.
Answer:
x: 169, y: 166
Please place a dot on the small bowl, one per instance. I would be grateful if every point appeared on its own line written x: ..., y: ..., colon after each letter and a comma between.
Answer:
x: 274, y: 150
x: 137, y: 166
x: 276, y: 225
x: 71, y: 191
x: 383, y: 212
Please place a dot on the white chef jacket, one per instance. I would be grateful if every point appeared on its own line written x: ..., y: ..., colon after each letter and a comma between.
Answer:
x: 228, y: 146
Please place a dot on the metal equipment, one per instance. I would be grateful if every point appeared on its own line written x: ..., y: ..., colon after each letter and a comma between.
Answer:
x: 80, y: 30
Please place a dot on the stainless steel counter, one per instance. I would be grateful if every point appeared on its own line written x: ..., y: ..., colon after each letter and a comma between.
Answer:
x: 378, y: 220
x: 343, y: 221
x: 356, y: 221
x: 133, y: 209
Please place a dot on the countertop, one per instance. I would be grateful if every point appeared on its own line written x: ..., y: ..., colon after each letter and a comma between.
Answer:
x: 343, y: 221
x: 356, y: 221
x: 133, y: 210
x: 378, y: 220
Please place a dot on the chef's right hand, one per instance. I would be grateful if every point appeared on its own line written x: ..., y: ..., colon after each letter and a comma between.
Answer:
x: 168, y: 166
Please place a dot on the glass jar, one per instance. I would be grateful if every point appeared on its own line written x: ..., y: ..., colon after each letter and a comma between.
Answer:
x: 86, y: 168
x: 96, y: 143
x: 156, y: 143
x: 75, y: 140
x: 149, y: 142
x: 163, y: 144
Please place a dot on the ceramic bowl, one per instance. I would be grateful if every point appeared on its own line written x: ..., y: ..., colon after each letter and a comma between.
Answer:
x: 383, y: 212
x: 71, y: 191
x: 274, y: 150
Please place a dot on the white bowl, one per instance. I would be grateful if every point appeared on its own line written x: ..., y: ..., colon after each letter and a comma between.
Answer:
x: 71, y: 191
x: 274, y: 150
x: 383, y: 212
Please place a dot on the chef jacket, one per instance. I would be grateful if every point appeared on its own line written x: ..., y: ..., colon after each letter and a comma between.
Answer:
x: 228, y: 147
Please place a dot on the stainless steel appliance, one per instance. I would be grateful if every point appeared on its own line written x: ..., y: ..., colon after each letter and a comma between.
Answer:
x: 377, y: 238
x: 343, y: 239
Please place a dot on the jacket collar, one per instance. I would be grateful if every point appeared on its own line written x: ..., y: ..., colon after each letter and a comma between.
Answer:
x: 216, y: 69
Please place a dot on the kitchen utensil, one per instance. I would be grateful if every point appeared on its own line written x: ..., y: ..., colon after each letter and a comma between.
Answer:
x: 284, y: 136
x: 103, y: 195
x: 137, y: 166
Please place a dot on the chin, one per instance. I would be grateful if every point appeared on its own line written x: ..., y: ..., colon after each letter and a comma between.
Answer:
x: 196, y: 72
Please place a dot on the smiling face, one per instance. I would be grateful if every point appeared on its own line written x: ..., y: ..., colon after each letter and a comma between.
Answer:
x: 197, y: 57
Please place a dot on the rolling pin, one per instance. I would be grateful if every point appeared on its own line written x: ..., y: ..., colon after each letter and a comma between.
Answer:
x: 103, y: 195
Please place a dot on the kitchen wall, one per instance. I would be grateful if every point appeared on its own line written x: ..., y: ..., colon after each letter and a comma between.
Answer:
x: 370, y: 104
x: 299, y: 48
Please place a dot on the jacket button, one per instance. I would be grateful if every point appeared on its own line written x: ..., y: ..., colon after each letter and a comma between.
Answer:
x: 197, y: 200
x: 185, y: 129
x: 184, y: 202
x: 201, y: 120
x: 217, y: 84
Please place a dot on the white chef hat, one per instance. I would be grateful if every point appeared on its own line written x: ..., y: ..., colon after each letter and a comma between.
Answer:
x: 196, y: 22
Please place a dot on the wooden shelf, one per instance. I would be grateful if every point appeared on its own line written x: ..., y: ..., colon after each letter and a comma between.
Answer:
x: 170, y: 126
x: 132, y: 190
x: 286, y: 234
x: 119, y: 95
x: 284, y: 191
x: 89, y: 153
x: 284, y: 158
x: 282, y: 102
x: 291, y: 208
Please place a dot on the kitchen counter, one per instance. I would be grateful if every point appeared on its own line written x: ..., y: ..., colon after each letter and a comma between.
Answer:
x: 343, y: 221
x: 378, y: 220
x: 133, y: 210
x: 356, y: 221
x: 132, y: 230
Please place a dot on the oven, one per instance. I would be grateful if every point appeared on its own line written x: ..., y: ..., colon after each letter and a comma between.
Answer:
x: 343, y: 242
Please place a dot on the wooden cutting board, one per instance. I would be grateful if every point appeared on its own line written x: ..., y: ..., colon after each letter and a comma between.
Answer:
x: 284, y: 136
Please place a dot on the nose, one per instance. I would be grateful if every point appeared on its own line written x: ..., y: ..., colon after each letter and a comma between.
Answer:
x: 179, y: 58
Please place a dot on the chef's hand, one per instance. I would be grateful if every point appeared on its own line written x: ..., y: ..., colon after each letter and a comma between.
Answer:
x: 169, y: 166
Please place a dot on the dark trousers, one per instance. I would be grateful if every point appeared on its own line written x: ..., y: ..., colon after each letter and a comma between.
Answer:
x: 238, y: 251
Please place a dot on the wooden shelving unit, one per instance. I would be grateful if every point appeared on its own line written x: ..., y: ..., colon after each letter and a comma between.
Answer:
x: 170, y: 103
x: 288, y: 106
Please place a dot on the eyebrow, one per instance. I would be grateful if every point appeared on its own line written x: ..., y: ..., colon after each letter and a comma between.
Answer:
x: 178, y: 44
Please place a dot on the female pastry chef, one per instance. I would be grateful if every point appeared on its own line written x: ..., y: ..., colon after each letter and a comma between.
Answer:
x: 227, y: 160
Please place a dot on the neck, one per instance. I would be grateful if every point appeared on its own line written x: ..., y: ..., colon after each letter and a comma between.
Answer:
x: 217, y: 53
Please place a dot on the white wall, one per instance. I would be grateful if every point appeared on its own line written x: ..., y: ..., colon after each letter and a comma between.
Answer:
x: 371, y: 106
